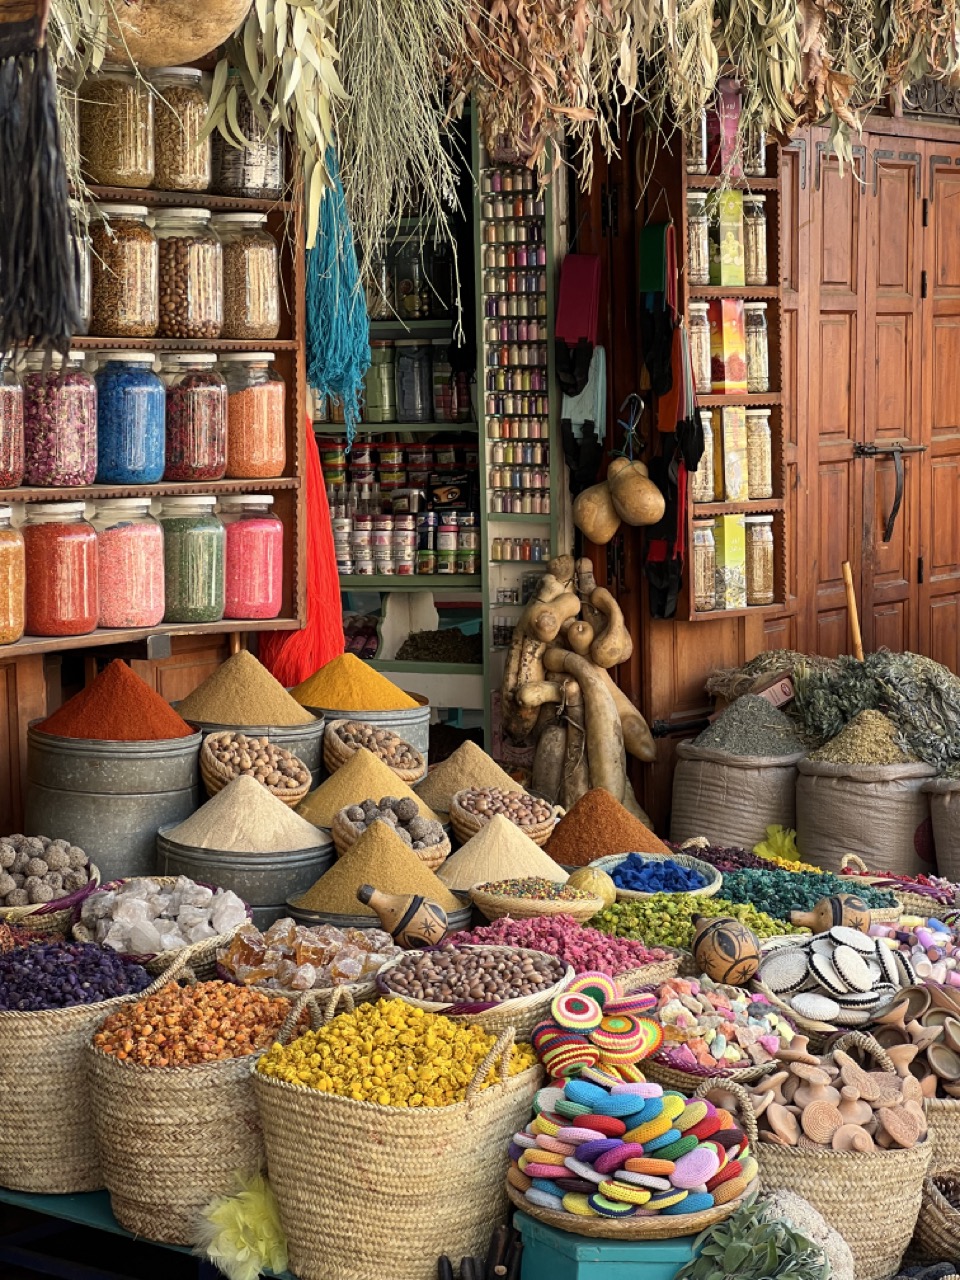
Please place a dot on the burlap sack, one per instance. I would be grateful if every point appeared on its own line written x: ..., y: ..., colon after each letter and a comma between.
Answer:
x: 944, y: 798
x: 731, y: 799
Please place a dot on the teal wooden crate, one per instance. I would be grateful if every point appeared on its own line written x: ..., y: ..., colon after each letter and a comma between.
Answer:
x: 549, y: 1254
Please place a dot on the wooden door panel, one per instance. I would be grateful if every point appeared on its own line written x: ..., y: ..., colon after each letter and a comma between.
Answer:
x: 782, y: 633
x: 893, y: 372
x: 839, y: 199
x: 942, y: 641
x: 835, y: 532
x: 946, y: 245
x: 832, y: 632
x: 834, y: 375
x: 944, y: 553
x: 891, y: 626
x: 896, y: 193
x: 944, y: 357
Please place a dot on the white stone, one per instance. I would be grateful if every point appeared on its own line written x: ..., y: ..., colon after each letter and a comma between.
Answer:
x: 228, y: 912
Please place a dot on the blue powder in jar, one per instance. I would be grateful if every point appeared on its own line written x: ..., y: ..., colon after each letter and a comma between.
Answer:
x: 131, y: 421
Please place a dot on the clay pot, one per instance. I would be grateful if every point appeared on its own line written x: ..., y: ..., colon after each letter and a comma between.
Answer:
x: 169, y: 33
x: 841, y: 908
x: 951, y: 1034
x: 923, y: 1036
x: 944, y: 1062
x: 894, y: 1017
x: 410, y: 919
x: 901, y: 1055
x: 889, y: 1037
x: 918, y: 1002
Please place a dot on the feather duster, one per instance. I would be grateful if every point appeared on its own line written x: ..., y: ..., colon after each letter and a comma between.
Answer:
x: 241, y: 1233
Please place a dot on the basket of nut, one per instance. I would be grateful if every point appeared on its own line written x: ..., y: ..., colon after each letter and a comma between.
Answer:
x: 343, y: 738
x: 470, y: 809
x: 229, y: 754
x: 428, y: 839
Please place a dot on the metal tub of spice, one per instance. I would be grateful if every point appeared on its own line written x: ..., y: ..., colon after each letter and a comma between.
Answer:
x: 305, y: 741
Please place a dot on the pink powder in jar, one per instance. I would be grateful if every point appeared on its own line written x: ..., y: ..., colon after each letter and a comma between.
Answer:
x: 254, y: 567
x: 131, y: 575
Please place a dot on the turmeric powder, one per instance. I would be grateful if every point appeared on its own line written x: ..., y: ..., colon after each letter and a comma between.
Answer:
x: 347, y: 684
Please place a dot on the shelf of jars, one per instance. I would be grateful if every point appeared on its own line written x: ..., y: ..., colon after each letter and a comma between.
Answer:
x: 28, y: 645
x: 102, y: 492
x: 413, y: 582
x: 396, y: 428
x: 187, y: 199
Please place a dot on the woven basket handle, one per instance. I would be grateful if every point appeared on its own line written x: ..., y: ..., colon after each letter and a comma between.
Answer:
x: 320, y: 1014
x: 503, y: 1050
x: 747, y: 1112
x: 860, y: 1040
x: 852, y: 860
x: 177, y: 969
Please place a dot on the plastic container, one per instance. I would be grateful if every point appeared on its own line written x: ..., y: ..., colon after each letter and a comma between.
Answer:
x: 196, y: 443
x: 59, y: 421
x: 703, y: 482
x: 193, y: 551
x: 254, y: 171
x: 413, y: 291
x: 761, y: 574
x: 759, y: 454
x: 61, y: 571
x: 379, y: 286
x: 130, y: 563
x: 81, y: 245
x: 444, y: 383
x: 256, y: 427
x: 125, y: 299
x: 755, y: 239
x: 757, y: 343
x: 254, y: 557
x: 190, y: 273
x: 182, y: 155
x: 117, y: 129
x: 12, y: 580
x: 131, y: 417
x: 251, y: 277
x: 380, y: 384
x: 414, y: 389
x: 11, y: 426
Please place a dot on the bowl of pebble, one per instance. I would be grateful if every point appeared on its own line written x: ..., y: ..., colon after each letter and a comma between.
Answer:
x: 533, y: 896
x: 427, y: 838
x: 640, y: 875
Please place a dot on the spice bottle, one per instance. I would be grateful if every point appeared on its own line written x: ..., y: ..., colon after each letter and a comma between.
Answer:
x: 698, y: 332
x: 757, y: 346
x: 760, y: 559
x: 130, y: 563
x: 695, y: 145
x: 251, y: 277
x: 703, y: 480
x: 698, y: 238
x: 704, y: 567
x: 755, y: 239
x: 59, y: 421
x: 116, y: 129
x: 379, y: 286
x: 193, y: 555
x: 60, y: 566
x: 191, y: 274
x: 12, y: 580
x: 755, y: 152
x: 131, y: 413
x: 196, y: 418
x: 759, y: 454
x: 254, y: 557
x: 256, y: 422
x: 11, y: 425
x: 124, y: 273
x: 254, y: 171
x: 182, y: 155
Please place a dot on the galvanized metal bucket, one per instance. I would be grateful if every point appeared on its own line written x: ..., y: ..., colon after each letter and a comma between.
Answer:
x: 305, y: 741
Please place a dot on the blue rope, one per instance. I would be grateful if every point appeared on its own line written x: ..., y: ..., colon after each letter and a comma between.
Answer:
x: 338, y: 331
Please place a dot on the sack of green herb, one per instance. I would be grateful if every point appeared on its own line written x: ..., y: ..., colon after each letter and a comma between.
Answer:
x: 944, y: 797
x: 731, y: 799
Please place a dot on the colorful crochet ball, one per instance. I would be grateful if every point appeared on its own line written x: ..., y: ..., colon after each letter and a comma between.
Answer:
x: 597, y: 986
x: 575, y: 1011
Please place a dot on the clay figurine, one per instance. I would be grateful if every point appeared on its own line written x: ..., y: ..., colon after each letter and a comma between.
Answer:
x: 842, y: 908
x: 725, y: 949
x: 411, y: 920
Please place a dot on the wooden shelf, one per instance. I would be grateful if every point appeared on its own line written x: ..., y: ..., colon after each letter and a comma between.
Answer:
x: 756, y: 399
x: 396, y: 428
x: 400, y: 328
x: 101, y: 492
x: 179, y: 344
x: 513, y: 517
x: 428, y: 668
x: 744, y: 291
x: 711, y: 182
x: 102, y: 636
x: 760, y: 507
x: 709, y: 615
x: 188, y: 200
x: 415, y: 582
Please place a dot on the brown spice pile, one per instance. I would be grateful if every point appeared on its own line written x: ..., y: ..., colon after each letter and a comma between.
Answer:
x: 468, y: 768
x: 363, y: 777
x: 596, y: 827
x: 243, y: 692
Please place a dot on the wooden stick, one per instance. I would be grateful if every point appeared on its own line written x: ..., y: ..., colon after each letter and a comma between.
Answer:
x: 496, y: 1253
x: 444, y: 1268
x: 852, y: 615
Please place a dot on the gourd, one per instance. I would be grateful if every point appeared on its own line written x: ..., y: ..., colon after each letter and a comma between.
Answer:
x: 594, y: 881
x: 594, y: 514
x: 636, y: 499
x: 848, y: 909
x: 165, y: 33
x: 725, y: 949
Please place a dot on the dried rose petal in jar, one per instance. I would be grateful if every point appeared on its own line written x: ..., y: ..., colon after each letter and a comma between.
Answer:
x: 254, y: 557
x: 59, y: 421
x: 11, y: 427
x: 256, y: 431
x: 130, y: 555
x: 196, y: 418
x: 12, y: 576
x: 61, y: 570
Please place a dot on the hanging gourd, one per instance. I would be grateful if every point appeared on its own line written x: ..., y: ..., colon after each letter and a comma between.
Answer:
x: 636, y: 499
x: 167, y: 33
x: 595, y: 515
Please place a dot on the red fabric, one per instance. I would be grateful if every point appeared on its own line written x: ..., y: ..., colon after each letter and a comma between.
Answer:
x: 293, y: 656
x: 578, y: 299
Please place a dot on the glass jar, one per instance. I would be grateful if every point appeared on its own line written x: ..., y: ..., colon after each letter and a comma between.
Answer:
x: 380, y: 288
x: 698, y: 332
x: 11, y: 426
x: 123, y: 273
x: 754, y: 152
x: 193, y: 560
x: 196, y: 418
x: 256, y: 426
x: 191, y: 274
x: 254, y: 557
x: 183, y: 156
x: 698, y: 238
x: 116, y: 129
x: 254, y: 171
x: 444, y: 383
x: 757, y: 346
x: 413, y: 292
x: 251, y: 277
x: 759, y: 454
x: 704, y: 567
x: 755, y: 239
x: 703, y: 480
x: 131, y: 413
x: 130, y: 563
x: 695, y: 145
x: 380, y: 385
x: 760, y: 559
x: 59, y: 422
x: 414, y: 390
x: 80, y: 237
x: 12, y: 580
x: 60, y: 566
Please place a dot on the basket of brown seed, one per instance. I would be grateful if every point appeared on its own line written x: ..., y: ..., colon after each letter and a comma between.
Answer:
x: 228, y: 754
x: 343, y: 738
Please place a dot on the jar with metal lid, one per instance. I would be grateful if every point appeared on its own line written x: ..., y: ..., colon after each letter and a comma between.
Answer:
x: 251, y: 277
x: 380, y: 287
x: 130, y: 563
x: 254, y: 556
x: 124, y: 272
x: 755, y: 239
x: 60, y: 567
x: 703, y: 480
x: 379, y: 382
x: 444, y: 383
x: 704, y: 567
x: 117, y: 129
x: 12, y: 580
x: 11, y: 425
x: 256, y: 416
x: 191, y: 274
x: 183, y: 157
x: 193, y: 556
x: 759, y: 454
x: 757, y: 346
x: 755, y: 152
x: 59, y: 421
x: 698, y: 333
x: 760, y: 559
x: 414, y: 389
x: 255, y: 170
x: 80, y: 237
x: 698, y: 238
x: 413, y: 291
x: 196, y: 447
x: 131, y: 417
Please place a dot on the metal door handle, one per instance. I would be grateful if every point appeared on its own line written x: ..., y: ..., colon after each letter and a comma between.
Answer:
x: 896, y: 451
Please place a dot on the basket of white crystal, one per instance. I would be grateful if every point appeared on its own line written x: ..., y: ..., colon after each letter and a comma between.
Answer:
x: 157, y: 919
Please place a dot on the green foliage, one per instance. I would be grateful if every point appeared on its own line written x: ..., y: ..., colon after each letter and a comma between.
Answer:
x: 752, y: 1244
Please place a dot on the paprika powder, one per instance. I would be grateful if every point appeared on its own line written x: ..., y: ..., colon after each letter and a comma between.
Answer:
x: 596, y: 827
x: 117, y: 707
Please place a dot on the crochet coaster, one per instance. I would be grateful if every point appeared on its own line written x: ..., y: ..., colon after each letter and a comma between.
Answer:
x: 695, y: 1168
x: 599, y: 986
x: 673, y: 1106
x: 596, y: 1075
x: 683, y: 1144
x: 538, y: 1156
x: 624, y: 1192
x: 549, y: 1143
x: 533, y: 1170
x: 692, y: 1113
x: 569, y: 1058
x: 576, y: 1186
x: 642, y: 1180
x: 514, y: 1152
x: 617, y: 1157
x: 591, y: 1151
x: 579, y: 1205
x: 581, y: 1169
x: 571, y: 1110
x: 576, y: 1134
x: 541, y: 1199
x: 547, y: 1123
x: 551, y: 1188
x: 524, y: 1140
x: 576, y: 1011
x: 662, y: 1141
x: 547, y: 1099
x: 647, y: 1130
x: 611, y: 1208
x: 609, y: 1126
x: 517, y: 1178
x: 694, y: 1203
x: 640, y: 1089
x: 636, y: 1002
x: 649, y: 1164
x: 732, y: 1169
x: 664, y: 1199
x: 706, y: 1127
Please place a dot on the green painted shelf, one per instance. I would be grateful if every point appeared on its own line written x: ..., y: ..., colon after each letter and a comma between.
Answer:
x: 513, y: 517
x: 416, y: 582
x: 431, y: 668
x: 399, y: 328
x: 398, y: 428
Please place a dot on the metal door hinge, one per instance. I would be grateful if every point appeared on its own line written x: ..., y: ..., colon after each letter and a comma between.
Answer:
x: 926, y: 212
x: 610, y: 210
x: 923, y: 284
x: 920, y: 570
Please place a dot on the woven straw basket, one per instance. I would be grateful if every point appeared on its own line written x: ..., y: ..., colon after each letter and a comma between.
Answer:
x: 884, y: 915
x: 52, y: 917
x: 172, y: 1138
x: 496, y: 905
x: 345, y: 836
x: 937, y: 1234
x: 216, y: 775
x: 522, y: 1014
x: 943, y: 1121
x: 336, y: 752
x: 649, y: 975
x: 46, y: 1142
x: 438, y: 1174
x: 871, y: 1198
x: 466, y: 824
x: 712, y: 877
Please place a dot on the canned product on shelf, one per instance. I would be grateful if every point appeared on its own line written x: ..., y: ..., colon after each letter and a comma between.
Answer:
x: 182, y: 153
x: 60, y: 567
x: 131, y: 416
x: 59, y: 421
x: 193, y: 553
x: 251, y: 277
x: 196, y: 443
x: 254, y: 557
x: 125, y: 300
x: 130, y: 563
x: 117, y: 129
x: 256, y: 416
